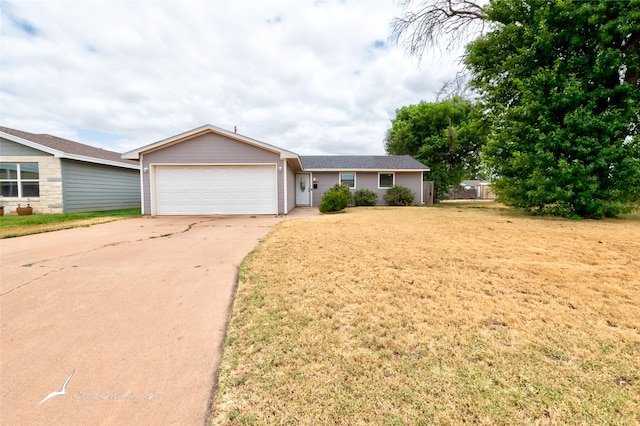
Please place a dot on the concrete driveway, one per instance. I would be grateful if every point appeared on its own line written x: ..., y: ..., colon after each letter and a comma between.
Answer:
x: 128, y: 318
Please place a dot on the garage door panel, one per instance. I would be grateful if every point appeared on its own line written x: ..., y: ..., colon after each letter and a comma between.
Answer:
x: 201, y: 190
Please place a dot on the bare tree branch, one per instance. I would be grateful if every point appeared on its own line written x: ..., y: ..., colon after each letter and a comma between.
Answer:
x: 436, y: 21
x: 456, y: 86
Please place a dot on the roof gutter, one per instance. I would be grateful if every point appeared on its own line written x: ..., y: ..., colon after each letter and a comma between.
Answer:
x: 342, y: 169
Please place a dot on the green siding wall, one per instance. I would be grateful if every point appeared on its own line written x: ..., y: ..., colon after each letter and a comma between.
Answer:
x: 12, y: 149
x: 94, y: 187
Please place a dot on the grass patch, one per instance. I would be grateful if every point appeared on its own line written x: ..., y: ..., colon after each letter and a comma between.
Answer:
x: 436, y: 316
x: 15, y: 226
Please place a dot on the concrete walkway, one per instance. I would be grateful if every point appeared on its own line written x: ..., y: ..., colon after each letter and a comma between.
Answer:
x: 126, y: 318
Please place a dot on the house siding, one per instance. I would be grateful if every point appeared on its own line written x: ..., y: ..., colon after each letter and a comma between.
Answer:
x: 12, y: 149
x: 210, y: 148
x: 413, y: 181
x: 324, y: 180
x: 94, y: 187
x: 368, y: 180
x: 291, y: 188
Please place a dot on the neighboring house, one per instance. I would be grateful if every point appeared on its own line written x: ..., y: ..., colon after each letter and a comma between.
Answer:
x: 473, y: 190
x: 56, y: 175
x: 209, y: 170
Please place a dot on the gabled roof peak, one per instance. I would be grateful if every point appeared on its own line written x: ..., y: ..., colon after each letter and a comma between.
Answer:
x: 207, y: 128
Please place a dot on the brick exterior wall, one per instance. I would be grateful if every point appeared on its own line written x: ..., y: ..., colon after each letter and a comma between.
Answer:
x: 50, y: 199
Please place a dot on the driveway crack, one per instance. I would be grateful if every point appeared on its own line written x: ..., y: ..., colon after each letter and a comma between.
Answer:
x: 187, y: 229
x: 31, y: 264
x: 115, y: 243
x: 30, y: 281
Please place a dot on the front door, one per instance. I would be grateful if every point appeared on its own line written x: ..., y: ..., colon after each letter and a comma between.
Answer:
x: 303, y: 189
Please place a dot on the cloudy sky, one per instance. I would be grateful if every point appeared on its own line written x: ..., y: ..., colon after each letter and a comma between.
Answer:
x: 313, y: 77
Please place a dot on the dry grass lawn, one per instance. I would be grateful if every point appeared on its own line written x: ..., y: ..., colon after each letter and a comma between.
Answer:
x: 445, y: 315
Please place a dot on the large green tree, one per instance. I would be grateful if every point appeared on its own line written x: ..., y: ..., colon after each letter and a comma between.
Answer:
x: 446, y: 136
x: 560, y: 79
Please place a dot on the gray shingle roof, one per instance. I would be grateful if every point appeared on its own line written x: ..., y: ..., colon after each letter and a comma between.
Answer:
x: 360, y: 162
x: 68, y: 147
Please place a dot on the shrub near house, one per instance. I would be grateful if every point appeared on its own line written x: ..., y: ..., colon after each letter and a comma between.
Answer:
x: 335, y: 199
x: 365, y: 197
x: 399, y: 196
x: 338, y: 197
x: 333, y: 202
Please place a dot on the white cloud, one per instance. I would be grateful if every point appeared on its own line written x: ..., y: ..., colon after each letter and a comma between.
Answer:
x: 312, y: 77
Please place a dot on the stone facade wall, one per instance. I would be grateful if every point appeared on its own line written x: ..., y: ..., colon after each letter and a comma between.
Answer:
x: 50, y: 199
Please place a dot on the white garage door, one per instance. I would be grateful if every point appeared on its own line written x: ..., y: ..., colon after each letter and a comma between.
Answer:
x: 196, y: 190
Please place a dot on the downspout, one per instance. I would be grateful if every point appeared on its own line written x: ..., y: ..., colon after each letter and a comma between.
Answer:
x: 310, y: 189
x: 141, y: 184
x: 286, y: 172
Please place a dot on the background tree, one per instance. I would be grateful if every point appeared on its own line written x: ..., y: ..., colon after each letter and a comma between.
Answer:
x: 446, y: 136
x: 560, y: 79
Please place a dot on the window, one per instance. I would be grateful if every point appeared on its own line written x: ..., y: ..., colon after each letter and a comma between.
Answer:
x: 19, y: 180
x: 348, y: 179
x: 386, y: 180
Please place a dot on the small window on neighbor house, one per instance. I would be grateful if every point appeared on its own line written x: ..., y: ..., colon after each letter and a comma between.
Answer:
x: 19, y: 180
x: 386, y: 180
x: 348, y: 179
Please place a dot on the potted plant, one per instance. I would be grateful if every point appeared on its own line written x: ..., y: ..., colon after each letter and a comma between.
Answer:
x: 24, y: 211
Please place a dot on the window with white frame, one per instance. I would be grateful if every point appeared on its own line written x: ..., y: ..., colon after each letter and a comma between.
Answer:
x: 348, y: 179
x: 386, y: 180
x: 19, y: 180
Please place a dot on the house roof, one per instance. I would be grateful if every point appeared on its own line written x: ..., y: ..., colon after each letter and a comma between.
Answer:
x: 207, y: 128
x: 65, y: 148
x: 362, y: 162
x: 307, y: 162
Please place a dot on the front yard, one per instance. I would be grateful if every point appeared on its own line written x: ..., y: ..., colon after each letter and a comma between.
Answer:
x: 449, y: 315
